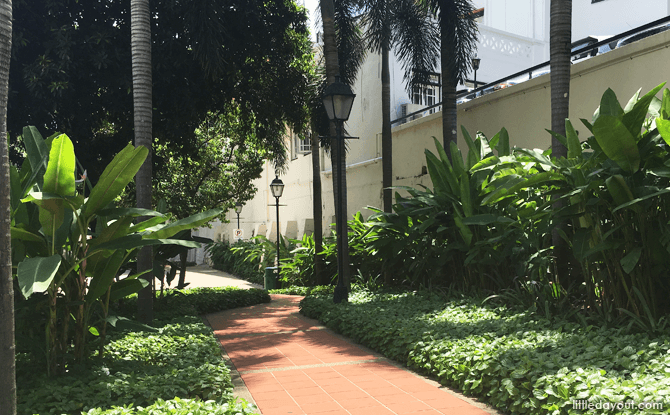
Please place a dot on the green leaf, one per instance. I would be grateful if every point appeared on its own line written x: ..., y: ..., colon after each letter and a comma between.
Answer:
x: 438, y: 174
x: 634, y: 118
x: 58, y: 181
x: 126, y: 287
x: 102, y: 272
x: 25, y: 235
x: 617, y: 142
x: 663, y: 127
x: 466, y: 199
x: 618, y: 189
x: 93, y: 331
x: 135, y: 241
x: 631, y: 259
x: 609, y: 105
x: 562, y: 139
x: 464, y: 230
x: 473, y: 152
x: 503, y: 143
x: 115, y: 213
x: 59, y: 175
x: 116, y: 176
x: 36, y: 274
x: 193, y: 221
x: 665, y: 105
x: 36, y: 151
x: 574, y: 147
x: 639, y: 199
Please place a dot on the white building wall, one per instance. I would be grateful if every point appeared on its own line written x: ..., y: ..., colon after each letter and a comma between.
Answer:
x: 611, y: 17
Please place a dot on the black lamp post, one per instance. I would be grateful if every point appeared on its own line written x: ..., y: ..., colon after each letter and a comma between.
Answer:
x: 238, y: 210
x: 277, y: 188
x: 338, y: 99
x: 475, y: 65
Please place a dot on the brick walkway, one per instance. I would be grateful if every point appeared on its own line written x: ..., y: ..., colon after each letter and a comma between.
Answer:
x: 292, y: 365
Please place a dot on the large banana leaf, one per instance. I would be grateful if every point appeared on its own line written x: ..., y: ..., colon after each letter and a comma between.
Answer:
x: 437, y: 173
x: 634, y: 118
x: 59, y: 181
x: 193, y: 221
x: 617, y: 142
x: 574, y: 147
x: 126, y: 287
x: 103, y: 273
x: 36, y: 274
x: 116, y: 176
x: 136, y: 241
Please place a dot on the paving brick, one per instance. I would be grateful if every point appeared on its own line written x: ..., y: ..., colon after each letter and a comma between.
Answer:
x: 276, y: 339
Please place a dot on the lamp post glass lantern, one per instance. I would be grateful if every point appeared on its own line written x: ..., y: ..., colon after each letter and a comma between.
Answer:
x: 475, y: 65
x: 277, y: 188
x: 338, y: 98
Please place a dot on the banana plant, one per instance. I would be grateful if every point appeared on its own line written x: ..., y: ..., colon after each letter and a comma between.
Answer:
x: 71, y: 247
x: 614, y: 184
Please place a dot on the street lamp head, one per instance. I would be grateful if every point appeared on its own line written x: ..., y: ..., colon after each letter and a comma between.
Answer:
x: 238, y: 207
x: 338, y: 98
x: 475, y: 63
x: 277, y: 187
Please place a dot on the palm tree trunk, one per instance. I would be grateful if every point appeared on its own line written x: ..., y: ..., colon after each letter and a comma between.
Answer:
x: 559, y: 43
x: 7, y: 339
x: 317, y: 212
x: 387, y: 137
x: 140, y: 29
x: 332, y: 70
x: 560, y: 34
x: 449, y: 115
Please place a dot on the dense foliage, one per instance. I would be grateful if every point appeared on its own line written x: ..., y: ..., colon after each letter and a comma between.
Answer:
x: 516, y: 360
x: 143, y: 370
x: 71, y: 70
x: 234, y: 261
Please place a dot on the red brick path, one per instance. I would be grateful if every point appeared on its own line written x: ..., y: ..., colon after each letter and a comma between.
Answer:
x: 292, y: 365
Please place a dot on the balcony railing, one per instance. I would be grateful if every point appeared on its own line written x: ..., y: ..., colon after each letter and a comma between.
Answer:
x: 582, y: 49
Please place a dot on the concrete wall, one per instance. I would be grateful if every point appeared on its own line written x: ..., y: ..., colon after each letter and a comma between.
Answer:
x: 524, y: 110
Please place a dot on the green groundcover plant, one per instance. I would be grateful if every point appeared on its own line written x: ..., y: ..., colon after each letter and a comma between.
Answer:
x: 515, y: 360
x: 174, y: 368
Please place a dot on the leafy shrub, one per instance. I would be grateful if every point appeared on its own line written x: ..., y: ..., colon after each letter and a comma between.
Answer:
x: 141, y: 369
x: 197, y: 301
x: 181, y: 359
x: 233, y: 261
x: 516, y: 361
x: 181, y: 407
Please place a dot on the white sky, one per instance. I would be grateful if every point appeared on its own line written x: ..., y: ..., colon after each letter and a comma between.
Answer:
x: 312, y: 6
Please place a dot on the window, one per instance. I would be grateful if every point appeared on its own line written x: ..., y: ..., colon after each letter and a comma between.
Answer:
x: 427, y: 94
x: 302, y: 145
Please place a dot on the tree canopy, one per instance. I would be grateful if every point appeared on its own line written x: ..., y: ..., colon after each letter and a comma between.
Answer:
x: 227, y: 157
x: 71, y: 70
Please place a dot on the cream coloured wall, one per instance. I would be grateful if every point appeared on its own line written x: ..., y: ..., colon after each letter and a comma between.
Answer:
x: 524, y: 110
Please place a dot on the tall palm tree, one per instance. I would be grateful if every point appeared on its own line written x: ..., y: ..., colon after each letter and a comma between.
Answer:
x: 458, y: 42
x: 140, y: 40
x: 7, y: 342
x: 406, y: 26
x: 559, y: 50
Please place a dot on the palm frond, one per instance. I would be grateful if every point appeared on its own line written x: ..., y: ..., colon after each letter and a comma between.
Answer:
x: 350, y: 44
x: 416, y: 40
x: 459, y: 30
